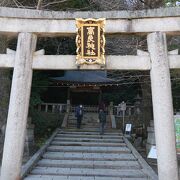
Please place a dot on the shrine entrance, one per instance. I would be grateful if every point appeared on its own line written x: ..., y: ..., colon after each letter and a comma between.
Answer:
x: 29, y: 24
x: 84, y: 96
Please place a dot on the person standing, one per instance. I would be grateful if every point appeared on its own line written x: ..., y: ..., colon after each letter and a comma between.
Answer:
x: 102, y: 116
x: 123, y: 110
x: 79, y: 115
x: 102, y: 120
x: 101, y: 106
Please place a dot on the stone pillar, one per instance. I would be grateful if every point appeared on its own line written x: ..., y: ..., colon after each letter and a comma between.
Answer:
x: 29, y: 140
x: 68, y: 106
x: 162, y: 107
x: 53, y: 108
x: 111, y: 105
x: 18, y: 107
x: 46, y: 107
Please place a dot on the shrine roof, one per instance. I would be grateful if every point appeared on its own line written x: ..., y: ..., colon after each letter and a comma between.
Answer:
x: 84, y: 77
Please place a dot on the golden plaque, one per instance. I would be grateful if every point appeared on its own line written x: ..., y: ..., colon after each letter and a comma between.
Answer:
x: 90, y: 41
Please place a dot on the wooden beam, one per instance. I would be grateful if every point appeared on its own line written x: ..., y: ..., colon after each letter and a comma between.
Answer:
x: 67, y: 62
x: 56, y: 27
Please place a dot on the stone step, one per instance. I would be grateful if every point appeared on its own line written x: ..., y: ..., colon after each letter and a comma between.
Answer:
x: 88, y: 149
x: 102, y: 144
x: 89, y: 164
x: 83, y: 126
x: 86, y: 114
x: 82, y: 129
x: 117, y: 178
x: 95, y: 119
x: 47, y: 177
x: 75, y: 123
x: 89, y: 131
x: 90, y: 136
x: 86, y: 123
x: 88, y: 156
x: 88, y: 172
x: 83, y: 120
x: 97, y: 128
x: 90, y: 121
x: 88, y: 140
x: 83, y: 154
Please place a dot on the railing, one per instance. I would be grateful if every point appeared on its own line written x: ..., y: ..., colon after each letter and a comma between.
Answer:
x: 61, y: 108
x: 52, y: 107
x: 86, y: 108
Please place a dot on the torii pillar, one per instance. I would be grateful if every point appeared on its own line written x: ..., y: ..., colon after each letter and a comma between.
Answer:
x: 162, y: 107
x: 18, y: 107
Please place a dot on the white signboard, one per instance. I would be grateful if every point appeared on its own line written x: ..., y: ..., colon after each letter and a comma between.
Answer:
x: 128, y: 127
x: 152, y: 153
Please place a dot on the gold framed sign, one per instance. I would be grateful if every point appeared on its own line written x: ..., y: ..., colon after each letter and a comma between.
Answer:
x: 90, y: 41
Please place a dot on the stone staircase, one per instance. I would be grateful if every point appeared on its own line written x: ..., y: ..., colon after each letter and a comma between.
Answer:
x: 90, y: 120
x: 84, y: 154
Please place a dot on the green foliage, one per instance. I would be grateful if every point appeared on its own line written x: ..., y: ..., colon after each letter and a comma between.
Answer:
x: 125, y: 94
x: 45, y: 124
x: 170, y: 2
x: 175, y: 84
x: 173, y: 47
x: 39, y: 85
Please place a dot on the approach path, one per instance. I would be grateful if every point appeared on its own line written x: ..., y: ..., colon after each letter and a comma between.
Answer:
x: 85, y: 155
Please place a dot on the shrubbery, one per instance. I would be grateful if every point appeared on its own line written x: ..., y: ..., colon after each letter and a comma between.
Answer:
x: 45, y: 124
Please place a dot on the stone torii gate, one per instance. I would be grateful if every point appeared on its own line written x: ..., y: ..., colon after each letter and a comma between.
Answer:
x: 29, y: 24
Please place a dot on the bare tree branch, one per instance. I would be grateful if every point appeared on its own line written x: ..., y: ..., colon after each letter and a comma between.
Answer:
x: 55, y: 2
